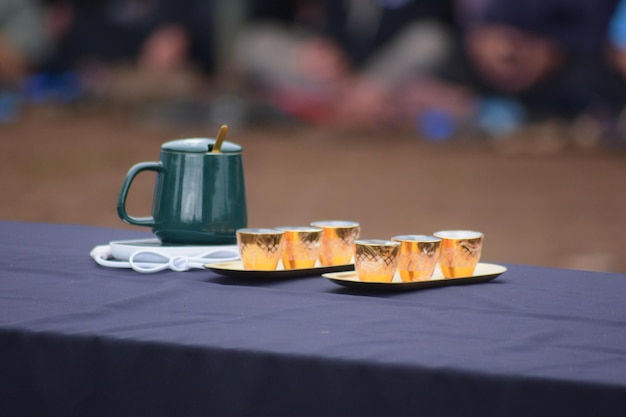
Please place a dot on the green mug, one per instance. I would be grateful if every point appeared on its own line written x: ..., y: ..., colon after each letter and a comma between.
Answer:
x: 199, y: 196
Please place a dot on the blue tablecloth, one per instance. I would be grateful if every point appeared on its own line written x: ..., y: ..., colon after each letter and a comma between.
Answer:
x: 77, y: 339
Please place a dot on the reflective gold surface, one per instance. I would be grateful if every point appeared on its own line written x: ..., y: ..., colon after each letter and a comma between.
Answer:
x: 337, y: 242
x: 418, y: 256
x: 260, y: 249
x: 376, y: 260
x: 460, y: 252
x: 301, y: 246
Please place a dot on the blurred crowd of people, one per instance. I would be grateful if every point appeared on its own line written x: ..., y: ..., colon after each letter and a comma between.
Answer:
x: 437, y: 67
x: 65, y: 50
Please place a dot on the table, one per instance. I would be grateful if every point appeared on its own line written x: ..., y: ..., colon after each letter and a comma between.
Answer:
x: 77, y: 339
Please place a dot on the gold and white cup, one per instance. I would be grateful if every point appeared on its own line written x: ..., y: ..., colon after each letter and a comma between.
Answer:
x: 301, y: 246
x: 376, y: 260
x: 337, y: 242
x: 460, y: 252
x: 260, y: 249
x: 418, y: 258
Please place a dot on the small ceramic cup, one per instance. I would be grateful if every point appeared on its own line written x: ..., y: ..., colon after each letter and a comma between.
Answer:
x: 376, y: 260
x: 301, y: 246
x: 418, y: 257
x: 260, y: 249
x: 337, y: 242
x: 460, y: 252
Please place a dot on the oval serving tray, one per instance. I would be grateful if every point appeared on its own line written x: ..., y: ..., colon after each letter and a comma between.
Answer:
x: 484, y: 272
x: 235, y: 269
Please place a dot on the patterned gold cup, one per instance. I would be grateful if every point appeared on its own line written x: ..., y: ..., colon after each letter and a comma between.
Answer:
x: 376, y: 260
x: 418, y: 257
x: 460, y: 252
x: 260, y: 249
x: 301, y: 246
x: 337, y: 242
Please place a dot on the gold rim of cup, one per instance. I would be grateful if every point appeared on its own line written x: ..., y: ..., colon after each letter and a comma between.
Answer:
x: 260, y: 248
x: 419, y: 256
x: 458, y: 234
x: 460, y: 252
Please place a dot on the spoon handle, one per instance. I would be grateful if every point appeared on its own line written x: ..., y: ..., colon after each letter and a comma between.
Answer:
x: 220, y: 139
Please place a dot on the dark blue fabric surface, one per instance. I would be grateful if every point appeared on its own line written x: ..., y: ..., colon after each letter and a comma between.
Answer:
x: 77, y: 339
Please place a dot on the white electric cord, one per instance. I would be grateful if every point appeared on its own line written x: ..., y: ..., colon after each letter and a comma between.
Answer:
x: 154, y: 261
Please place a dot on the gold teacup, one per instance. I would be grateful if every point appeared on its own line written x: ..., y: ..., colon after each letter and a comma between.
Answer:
x: 376, y: 260
x: 418, y: 257
x: 337, y: 242
x: 460, y: 252
x: 260, y: 249
x: 301, y: 246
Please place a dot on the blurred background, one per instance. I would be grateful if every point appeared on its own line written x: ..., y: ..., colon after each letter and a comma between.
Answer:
x: 409, y: 116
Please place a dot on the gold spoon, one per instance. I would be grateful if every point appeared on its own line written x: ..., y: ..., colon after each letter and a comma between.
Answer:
x: 221, y: 135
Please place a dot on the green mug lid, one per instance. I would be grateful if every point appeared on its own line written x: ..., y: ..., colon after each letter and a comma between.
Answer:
x: 198, y: 145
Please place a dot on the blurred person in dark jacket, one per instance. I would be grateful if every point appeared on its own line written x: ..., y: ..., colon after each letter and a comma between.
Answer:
x: 547, y: 56
x: 24, y: 45
x: 135, y: 47
x: 617, y: 46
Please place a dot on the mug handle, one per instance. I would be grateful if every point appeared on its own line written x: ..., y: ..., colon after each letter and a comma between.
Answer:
x: 128, y: 180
